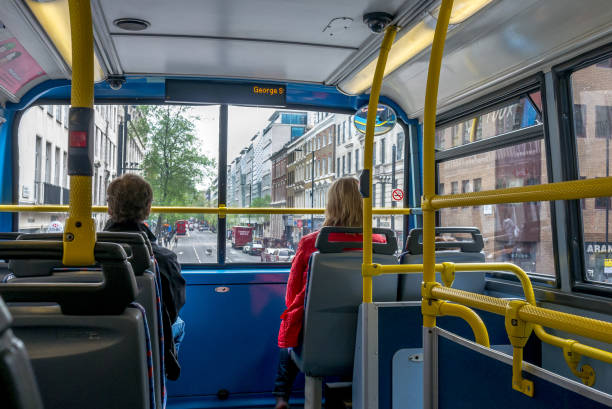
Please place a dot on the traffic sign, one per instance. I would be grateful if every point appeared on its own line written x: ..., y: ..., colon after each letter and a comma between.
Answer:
x: 397, y: 195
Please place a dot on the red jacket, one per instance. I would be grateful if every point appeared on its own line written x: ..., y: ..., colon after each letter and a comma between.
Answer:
x: 293, y: 316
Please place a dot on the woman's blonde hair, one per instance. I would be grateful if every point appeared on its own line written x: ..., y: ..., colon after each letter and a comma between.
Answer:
x: 344, y: 204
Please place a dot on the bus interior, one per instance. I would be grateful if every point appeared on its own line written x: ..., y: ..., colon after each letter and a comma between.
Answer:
x: 489, y: 176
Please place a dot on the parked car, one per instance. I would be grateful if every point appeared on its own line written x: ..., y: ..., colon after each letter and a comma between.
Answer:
x: 266, y: 255
x: 283, y: 255
x: 246, y: 248
x: 256, y: 249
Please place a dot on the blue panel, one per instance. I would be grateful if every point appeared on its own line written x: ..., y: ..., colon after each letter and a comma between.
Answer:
x: 6, y: 170
x: 398, y: 328
x: 251, y: 275
x: 494, y: 323
x: 402, y: 327
x: 486, y: 382
x: 407, y: 379
x: 230, y: 338
x: 152, y: 89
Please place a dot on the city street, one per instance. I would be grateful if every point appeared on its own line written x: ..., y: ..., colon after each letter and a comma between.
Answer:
x: 201, y: 247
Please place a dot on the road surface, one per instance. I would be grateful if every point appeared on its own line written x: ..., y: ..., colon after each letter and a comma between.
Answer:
x: 201, y: 247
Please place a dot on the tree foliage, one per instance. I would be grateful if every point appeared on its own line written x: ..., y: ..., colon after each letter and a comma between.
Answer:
x: 173, y: 163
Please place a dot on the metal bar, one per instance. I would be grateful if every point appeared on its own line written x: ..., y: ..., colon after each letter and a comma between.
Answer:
x: 429, y: 378
x: 429, y: 142
x: 196, y: 210
x: 486, y: 145
x: 80, y: 230
x: 479, y: 301
x: 222, y: 183
x: 385, y: 47
x: 575, y: 189
x: 312, y: 184
x: 451, y: 268
x: 587, y: 327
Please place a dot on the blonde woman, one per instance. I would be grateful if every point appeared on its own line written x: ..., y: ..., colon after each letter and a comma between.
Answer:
x: 344, y: 209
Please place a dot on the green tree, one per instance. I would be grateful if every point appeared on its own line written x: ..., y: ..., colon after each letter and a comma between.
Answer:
x: 261, y: 201
x: 173, y: 163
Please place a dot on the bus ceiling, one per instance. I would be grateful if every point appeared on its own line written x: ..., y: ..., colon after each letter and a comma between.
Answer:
x: 321, y: 51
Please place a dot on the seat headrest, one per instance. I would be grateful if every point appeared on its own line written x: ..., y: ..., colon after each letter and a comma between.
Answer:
x: 414, y: 245
x: 324, y: 245
x: 9, y: 235
x: 134, y: 244
x: 111, y: 296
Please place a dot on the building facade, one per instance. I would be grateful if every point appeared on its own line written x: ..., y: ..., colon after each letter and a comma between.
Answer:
x: 43, y: 161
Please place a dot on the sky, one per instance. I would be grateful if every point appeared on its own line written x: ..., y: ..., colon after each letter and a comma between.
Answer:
x: 243, y: 124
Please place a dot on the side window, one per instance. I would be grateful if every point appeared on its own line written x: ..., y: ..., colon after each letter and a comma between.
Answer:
x: 592, y: 100
x: 519, y: 233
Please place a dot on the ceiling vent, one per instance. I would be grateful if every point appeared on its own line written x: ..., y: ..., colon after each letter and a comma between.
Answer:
x: 132, y: 24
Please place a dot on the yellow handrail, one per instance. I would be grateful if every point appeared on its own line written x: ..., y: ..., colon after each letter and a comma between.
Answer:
x: 200, y: 210
x: 534, y: 318
x: 387, y: 42
x: 80, y: 230
x: 587, y: 327
x: 574, y: 189
x: 450, y: 269
x: 429, y: 139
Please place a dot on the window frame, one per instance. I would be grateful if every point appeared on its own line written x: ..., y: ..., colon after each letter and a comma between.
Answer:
x: 488, y: 103
x: 409, y: 155
x: 570, y: 171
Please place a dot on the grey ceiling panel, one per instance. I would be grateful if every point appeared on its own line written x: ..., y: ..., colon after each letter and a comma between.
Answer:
x: 510, y: 40
x: 289, y: 20
x: 227, y: 58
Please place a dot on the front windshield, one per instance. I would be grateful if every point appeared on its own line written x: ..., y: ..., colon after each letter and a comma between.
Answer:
x: 275, y: 158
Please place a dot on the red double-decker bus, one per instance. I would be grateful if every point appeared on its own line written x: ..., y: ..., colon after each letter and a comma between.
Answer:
x: 181, y: 227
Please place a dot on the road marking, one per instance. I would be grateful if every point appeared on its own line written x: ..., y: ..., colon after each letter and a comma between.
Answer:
x: 196, y: 253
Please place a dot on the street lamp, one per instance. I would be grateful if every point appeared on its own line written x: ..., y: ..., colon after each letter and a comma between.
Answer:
x: 311, y: 185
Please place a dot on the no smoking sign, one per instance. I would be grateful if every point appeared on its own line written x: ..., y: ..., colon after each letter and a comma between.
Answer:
x: 397, y: 195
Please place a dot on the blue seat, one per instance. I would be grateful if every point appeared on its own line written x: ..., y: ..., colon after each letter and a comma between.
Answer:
x: 333, y: 295
x: 468, y: 251
x: 87, y: 347
x: 141, y: 259
x: 18, y: 388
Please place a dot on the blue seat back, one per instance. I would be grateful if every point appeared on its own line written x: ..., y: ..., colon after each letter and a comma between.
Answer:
x: 468, y: 251
x: 334, y: 293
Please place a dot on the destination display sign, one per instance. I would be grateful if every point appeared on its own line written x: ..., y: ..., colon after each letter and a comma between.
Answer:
x: 209, y: 92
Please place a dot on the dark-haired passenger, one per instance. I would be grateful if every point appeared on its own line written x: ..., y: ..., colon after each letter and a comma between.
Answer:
x: 129, y: 204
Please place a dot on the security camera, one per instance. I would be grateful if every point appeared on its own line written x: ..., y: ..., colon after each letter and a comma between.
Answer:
x: 115, y: 82
x: 377, y: 21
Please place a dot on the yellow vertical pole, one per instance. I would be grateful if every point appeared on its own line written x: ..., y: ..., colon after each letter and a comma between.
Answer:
x: 473, y: 130
x: 429, y: 159
x: 367, y: 160
x: 79, y: 232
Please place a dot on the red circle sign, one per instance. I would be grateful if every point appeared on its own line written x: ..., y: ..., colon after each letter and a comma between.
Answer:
x: 398, y: 194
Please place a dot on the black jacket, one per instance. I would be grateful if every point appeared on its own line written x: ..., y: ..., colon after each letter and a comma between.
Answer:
x: 173, y: 290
